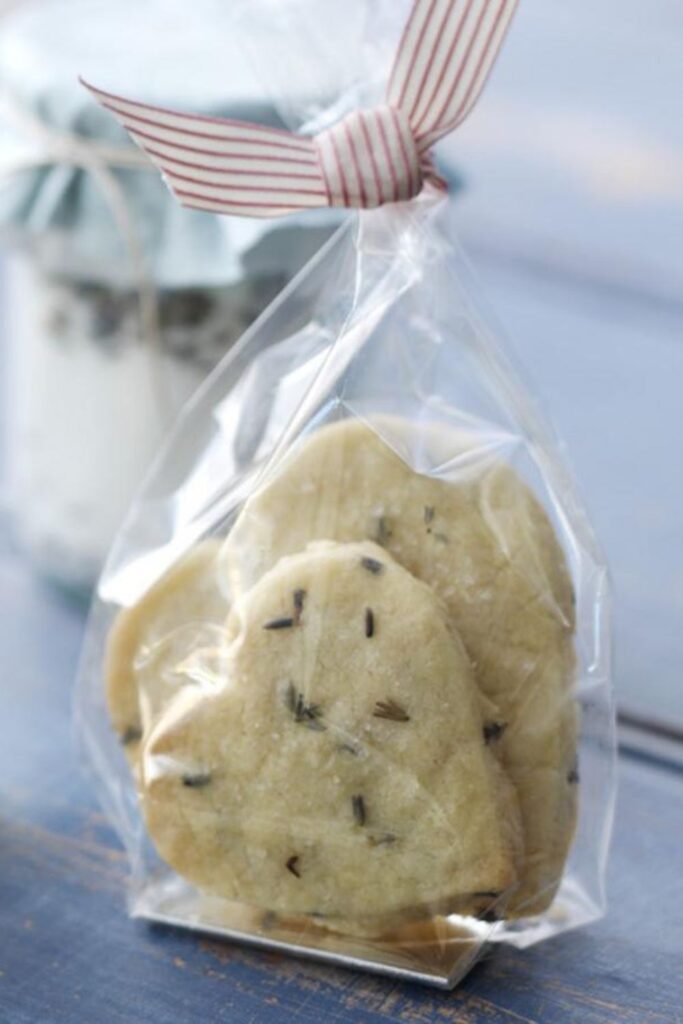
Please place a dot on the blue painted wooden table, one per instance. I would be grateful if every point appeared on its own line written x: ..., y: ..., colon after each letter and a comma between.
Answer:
x: 68, y: 953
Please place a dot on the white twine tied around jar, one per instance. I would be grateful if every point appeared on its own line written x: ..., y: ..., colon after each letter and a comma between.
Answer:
x: 369, y: 158
x: 56, y: 146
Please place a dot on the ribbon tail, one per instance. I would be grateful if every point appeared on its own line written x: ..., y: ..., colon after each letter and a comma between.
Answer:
x: 220, y: 165
x: 444, y: 59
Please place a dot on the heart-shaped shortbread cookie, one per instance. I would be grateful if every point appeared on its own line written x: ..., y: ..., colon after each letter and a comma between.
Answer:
x: 476, y: 534
x: 331, y: 756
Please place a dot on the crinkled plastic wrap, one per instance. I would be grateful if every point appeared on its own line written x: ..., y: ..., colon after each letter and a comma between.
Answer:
x: 346, y: 682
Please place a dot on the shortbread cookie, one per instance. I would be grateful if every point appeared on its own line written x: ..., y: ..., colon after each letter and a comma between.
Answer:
x: 150, y: 641
x: 487, y: 547
x: 338, y: 765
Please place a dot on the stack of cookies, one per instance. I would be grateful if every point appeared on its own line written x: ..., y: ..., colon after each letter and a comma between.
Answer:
x: 359, y: 706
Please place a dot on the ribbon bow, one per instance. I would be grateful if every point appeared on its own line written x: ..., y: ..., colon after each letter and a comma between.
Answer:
x: 368, y: 158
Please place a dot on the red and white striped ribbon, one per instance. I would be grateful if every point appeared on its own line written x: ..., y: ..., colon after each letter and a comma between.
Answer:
x: 368, y: 158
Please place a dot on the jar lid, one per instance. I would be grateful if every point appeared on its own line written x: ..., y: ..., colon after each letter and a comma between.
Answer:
x: 191, y: 56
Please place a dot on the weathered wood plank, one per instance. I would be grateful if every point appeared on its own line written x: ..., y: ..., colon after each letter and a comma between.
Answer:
x: 68, y: 953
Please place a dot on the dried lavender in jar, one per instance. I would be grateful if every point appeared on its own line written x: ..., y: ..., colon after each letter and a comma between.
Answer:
x: 90, y: 394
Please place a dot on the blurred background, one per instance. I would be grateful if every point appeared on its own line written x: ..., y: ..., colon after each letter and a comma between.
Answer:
x: 570, y: 209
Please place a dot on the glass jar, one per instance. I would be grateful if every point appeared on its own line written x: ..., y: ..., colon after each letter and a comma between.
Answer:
x: 90, y: 391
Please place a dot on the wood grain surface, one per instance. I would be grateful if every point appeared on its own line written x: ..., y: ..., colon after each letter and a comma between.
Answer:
x: 68, y: 952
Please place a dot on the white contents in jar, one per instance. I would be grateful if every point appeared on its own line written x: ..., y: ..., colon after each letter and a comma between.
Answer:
x: 90, y: 401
